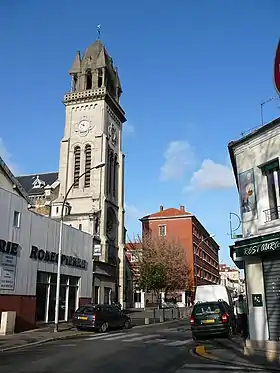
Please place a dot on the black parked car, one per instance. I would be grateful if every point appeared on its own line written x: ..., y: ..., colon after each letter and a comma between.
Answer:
x: 212, y: 318
x: 100, y: 317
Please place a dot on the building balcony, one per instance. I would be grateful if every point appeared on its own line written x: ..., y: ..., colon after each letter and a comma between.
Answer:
x: 272, y: 214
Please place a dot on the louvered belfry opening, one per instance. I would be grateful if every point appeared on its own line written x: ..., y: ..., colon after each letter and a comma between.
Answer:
x: 87, y: 165
x: 77, y: 166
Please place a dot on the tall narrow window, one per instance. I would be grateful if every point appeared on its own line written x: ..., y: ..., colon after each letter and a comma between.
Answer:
x: 109, y: 171
x: 272, y: 177
x: 100, y: 78
x: 77, y: 165
x: 115, y: 175
x: 87, y: 165
x: 89, y: 79
x: 74, y: 82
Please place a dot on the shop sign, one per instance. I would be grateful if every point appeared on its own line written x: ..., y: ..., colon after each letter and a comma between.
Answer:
x: 257, y: 300
x: 8, y: 262
x: 97, y: 249
x: 258, y: 248
x: 52, y: 257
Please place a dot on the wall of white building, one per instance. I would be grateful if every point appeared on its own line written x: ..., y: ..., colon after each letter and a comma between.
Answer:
x: 254, y: 153
x: 42, y: 232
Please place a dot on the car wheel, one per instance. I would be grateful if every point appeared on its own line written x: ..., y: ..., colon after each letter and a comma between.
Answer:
x: 79, y: 328
x: 194, y: 337
x: 103, y: 328
x: 127, y: 324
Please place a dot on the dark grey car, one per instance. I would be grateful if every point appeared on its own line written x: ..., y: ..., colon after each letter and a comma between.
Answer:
x: 100, y: 317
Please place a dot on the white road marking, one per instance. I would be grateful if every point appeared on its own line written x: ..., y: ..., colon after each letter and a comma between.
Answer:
x: 119, y: 336
x: 221, y: 367
x: 141, y: 338
x: 157, y: 340
x: 178, y: 343
x: 100, y: 336
x: 170, y: 330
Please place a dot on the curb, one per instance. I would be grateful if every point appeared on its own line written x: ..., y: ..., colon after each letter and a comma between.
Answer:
x: 78, y: 334
x: 201, y: 352
x: 42, y: 341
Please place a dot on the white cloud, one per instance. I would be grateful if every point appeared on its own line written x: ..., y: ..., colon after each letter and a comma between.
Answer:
x: 178, y: 156
x: 7, y: 156
x: 128, y: 128
x: 132, y: 212
x: 212, y: 175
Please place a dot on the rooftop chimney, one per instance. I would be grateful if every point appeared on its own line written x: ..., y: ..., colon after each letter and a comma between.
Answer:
x: 182, y: 208
x: 160, y: 208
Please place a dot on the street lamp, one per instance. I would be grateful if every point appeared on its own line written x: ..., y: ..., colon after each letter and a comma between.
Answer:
x: 198, y: 247
x: 56, y: 317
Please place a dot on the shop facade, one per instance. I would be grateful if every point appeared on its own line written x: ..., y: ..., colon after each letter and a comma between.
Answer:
x: 255, y: 161
x: 28, y: 264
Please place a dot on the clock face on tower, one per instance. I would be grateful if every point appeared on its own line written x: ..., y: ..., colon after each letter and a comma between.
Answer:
x: 83, y: 127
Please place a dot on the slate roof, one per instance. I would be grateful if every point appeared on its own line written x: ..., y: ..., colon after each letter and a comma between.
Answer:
x: 14, y: 180
x: 28, y: 181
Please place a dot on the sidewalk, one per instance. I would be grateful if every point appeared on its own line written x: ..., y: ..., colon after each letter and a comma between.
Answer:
x: 232, y: 352
x: 37, y: 336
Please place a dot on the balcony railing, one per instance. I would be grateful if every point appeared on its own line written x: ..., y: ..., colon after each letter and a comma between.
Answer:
x: 272, y: 214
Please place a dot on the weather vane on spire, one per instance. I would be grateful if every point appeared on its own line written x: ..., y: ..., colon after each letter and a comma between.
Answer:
x: 98, y: 31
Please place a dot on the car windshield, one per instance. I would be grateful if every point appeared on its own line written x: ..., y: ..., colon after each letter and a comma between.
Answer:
x: 207, y: 308
x: 86, y: 309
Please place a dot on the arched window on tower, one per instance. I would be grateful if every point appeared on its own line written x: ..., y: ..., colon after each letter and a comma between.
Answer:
x: 88, y: 79
x: 100, y: 78
x: 115, y: 175
x: 77, y: 165
x: 87, y: 165
x: 74, y: 82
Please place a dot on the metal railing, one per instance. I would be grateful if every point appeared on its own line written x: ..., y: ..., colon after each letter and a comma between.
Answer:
x: 272, y: 214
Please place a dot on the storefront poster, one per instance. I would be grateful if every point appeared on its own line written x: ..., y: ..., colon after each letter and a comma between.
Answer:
x: 7, y: 271
x: 248, y: 201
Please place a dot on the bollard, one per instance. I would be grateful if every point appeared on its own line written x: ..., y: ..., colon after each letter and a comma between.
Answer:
x: 147, y: 320
x: 163, y: 314
x: 172, y: 314
x: 178, y: 313
x: 154, y: 315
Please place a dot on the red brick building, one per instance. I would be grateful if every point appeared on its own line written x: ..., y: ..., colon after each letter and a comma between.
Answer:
x: 202, y: 251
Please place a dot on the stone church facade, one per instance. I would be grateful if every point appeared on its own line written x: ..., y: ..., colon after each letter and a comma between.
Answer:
x: 92, y: 137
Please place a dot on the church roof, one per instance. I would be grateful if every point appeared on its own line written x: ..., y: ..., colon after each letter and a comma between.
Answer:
x: 98, y: 54
x: 35, y: 184
x: 13, y: 180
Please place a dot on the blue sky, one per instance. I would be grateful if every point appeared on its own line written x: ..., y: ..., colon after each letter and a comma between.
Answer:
x: 193, y: 73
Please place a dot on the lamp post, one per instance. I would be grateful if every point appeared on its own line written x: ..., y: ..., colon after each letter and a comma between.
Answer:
x: 198, y: 247
x: 56, y: 317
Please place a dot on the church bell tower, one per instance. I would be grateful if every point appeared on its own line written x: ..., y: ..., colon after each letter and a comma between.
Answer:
x: 93, y: 136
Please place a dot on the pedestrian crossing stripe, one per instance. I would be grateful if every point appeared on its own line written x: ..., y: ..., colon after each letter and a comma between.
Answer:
x: 138, y: 337
x: 120, y: 336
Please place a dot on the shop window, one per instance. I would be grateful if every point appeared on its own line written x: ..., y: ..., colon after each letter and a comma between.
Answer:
x: 16, y: 220
x: 46, y: 295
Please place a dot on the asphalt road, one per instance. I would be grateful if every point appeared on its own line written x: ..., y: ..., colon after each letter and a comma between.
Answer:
x: 156, y: 349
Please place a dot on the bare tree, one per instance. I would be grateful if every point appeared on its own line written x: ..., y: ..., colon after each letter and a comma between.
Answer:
x: 161, y: 264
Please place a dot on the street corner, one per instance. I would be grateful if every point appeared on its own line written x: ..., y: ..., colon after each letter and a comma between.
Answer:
x: 201, y: 351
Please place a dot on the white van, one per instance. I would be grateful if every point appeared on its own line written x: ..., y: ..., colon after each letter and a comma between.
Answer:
x: 210, y: 293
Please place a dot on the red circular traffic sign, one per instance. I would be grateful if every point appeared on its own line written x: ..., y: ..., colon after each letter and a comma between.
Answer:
x: 277, y: 69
